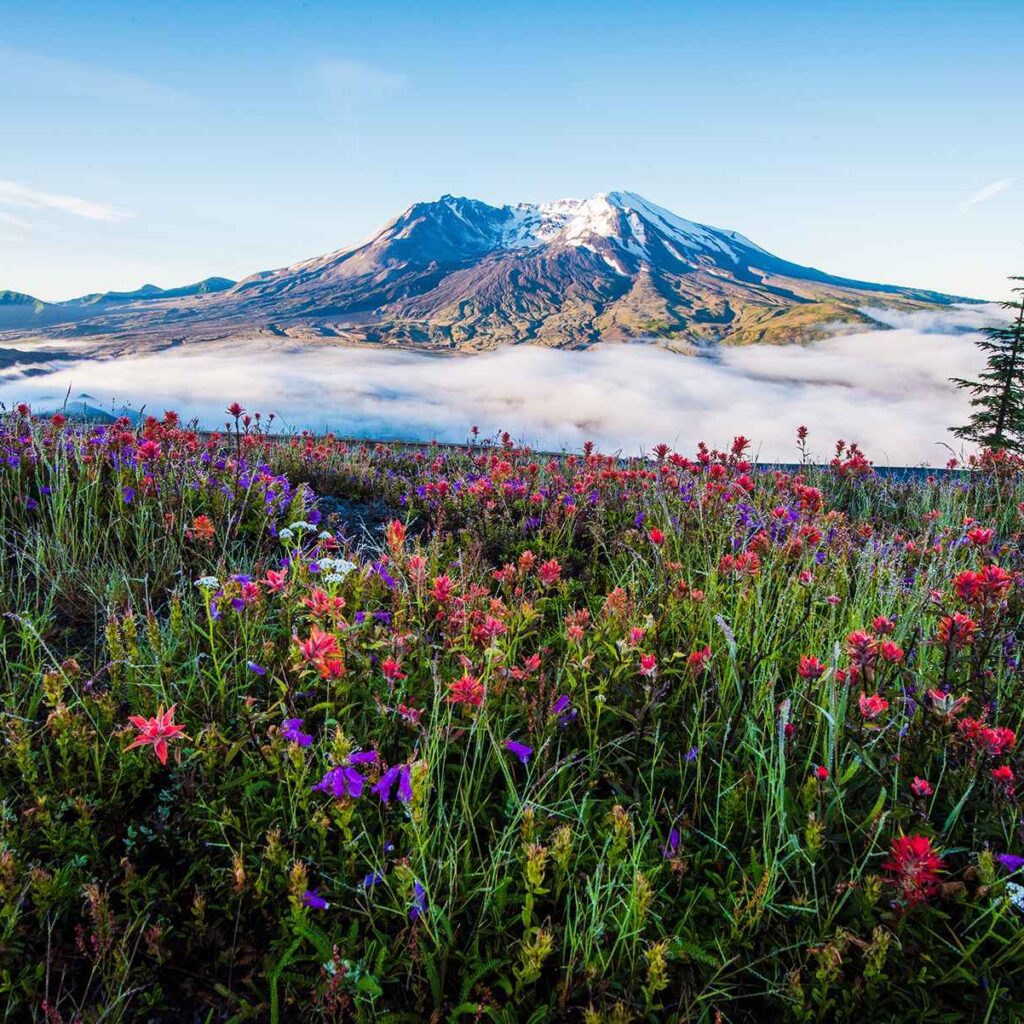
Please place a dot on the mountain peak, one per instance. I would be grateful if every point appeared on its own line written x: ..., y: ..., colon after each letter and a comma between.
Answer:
x: 457, y: 272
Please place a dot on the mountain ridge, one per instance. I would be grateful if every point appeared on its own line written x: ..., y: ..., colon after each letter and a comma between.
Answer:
x: 459, y: 273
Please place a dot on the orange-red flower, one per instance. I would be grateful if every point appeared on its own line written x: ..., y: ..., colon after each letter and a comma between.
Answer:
x: 318, y: 646
x: 957, y: 630
x: 467, y: 690
x: 156, y: 731
x: 202, y: 529
x: 394, y: 534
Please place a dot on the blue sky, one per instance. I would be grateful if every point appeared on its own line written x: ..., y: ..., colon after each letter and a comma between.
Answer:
x: 165, y: 143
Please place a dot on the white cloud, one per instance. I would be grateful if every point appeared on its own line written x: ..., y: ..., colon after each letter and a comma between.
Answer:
x: 14, y: 194
x: 888, y: 390
x: 986, y: 193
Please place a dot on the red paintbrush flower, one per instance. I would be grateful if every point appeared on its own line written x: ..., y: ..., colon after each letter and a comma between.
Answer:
x: 550, y: 572
x: 914, y: 867
x: 872, y: 706
x: 392, y: 670
x: 276, y: 580
x: 467, y: 690
x: 862, y: 649
x: 698, y: 660
x: 921, y: 787
x: 988, y: 585
x: 202, y: 529
x: 891, y: 652
x: 1003, y: 777
x: 442, y: 589
x: 395, y: 534
x: 810, y: 668
x: 957, y: 630
x: 318, y: 647
x: 156, y: 731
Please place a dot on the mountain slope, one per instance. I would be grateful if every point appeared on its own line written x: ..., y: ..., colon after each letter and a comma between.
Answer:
x: 459, y: 273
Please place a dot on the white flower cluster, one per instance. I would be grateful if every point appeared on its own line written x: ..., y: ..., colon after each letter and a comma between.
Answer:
x: 300, y: 525
x: 285, y: 534
x: 1015, y: 894
x: 208, y: 582
x: 335, y: 569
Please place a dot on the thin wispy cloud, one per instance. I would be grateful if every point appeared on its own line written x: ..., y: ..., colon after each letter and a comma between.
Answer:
x: 988, y: 192
x: 42, y: 74
x: 351, y: 80
x: 14, y: 222
x: 14, y: 194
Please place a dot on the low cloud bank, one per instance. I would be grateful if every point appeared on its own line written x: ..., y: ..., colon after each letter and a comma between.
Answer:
x: 888, y: 390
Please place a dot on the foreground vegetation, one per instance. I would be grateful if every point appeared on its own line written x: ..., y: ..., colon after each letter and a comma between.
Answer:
x: 570, y: 738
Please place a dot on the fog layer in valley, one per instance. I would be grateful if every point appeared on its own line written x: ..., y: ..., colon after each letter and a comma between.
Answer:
x: 888, y: 390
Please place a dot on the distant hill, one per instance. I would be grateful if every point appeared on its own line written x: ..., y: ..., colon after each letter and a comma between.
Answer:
x: 25, y: 311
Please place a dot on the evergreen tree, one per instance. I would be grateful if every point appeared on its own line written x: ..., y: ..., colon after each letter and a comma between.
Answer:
x: 998, y: 420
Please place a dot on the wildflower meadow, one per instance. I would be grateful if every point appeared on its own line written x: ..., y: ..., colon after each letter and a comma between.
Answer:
x: 299, y: 729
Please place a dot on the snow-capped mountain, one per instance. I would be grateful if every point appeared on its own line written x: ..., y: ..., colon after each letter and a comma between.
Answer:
x: 460, y: 273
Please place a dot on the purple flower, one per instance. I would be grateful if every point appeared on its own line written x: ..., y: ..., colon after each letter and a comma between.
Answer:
x: 291, y: 730
x: 560, y: 705
x: 128, y: 494
x: 1011, y: 861
x: 253, y: 667
x: 564, y: 711
x: 692, y: 753
x: 363, y: 757
x: 340, y: 782
x: 671, y: 847
x: 399, y: 774
x: 521, y: 750
x: 372, y: 879
x: 419, y: 901
x: 312, y: 898
x: 389, y: 580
